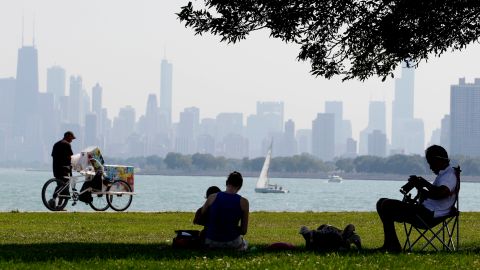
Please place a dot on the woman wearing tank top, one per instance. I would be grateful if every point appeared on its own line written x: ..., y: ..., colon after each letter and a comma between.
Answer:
x: 227, y: 216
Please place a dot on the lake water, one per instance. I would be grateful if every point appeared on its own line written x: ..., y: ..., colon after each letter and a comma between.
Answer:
x: 21, y: 191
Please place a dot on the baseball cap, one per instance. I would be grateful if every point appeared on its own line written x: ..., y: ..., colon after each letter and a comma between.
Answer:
x: 69, y: 133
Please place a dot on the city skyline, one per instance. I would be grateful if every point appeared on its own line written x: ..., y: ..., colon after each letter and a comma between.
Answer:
x: 124, y: 56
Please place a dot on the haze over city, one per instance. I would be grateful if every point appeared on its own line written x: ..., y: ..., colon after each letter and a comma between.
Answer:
x: 120, y: 45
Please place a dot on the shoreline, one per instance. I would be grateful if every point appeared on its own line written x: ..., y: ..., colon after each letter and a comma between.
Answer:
x: 319, y: 175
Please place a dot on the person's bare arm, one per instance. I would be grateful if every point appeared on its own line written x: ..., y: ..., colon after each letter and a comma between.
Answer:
x: 434, y: 192
x: 245, y: 212
x: 207, y: 203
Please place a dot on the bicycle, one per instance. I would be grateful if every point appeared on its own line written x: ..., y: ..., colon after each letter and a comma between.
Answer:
x: 115, y: 194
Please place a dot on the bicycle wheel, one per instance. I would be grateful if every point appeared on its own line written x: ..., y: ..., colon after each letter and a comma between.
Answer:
x: 99, y: 202
x: 54, y: 194
x: 120, y: 201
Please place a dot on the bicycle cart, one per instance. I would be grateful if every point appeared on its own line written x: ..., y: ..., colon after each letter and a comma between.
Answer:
x: 108, y: 185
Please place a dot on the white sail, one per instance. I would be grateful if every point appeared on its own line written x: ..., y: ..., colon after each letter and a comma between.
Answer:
x: 262, y: 181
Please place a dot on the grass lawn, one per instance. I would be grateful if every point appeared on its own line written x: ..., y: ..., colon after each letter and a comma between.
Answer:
x: 72, y: 240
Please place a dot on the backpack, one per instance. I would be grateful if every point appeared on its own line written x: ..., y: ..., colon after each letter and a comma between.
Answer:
x: 187, y: 239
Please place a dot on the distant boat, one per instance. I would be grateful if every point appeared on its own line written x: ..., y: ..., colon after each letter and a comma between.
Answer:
x: 335, y: 179
x: 263, y: 185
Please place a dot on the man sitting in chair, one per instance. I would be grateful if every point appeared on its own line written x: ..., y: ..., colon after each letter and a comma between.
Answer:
x: 437, y: 198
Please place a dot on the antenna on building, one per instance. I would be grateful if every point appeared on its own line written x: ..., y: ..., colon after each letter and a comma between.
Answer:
x: 23, y: 27
x: 33, y: 37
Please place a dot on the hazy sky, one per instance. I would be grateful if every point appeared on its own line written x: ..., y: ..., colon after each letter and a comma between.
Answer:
x: 120, y: 44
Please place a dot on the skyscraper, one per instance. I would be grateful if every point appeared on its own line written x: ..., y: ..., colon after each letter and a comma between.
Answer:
x: 56, y: 82
x: 445, y: 132
x: 323, y: 136
x: 187, y: 130
x: 7, y: 101
x: 465, y: 118
x: 343, y: 128
x: 376, y: 121
x: 75, y: 100
x: 304, y: 139
x: 289, y: 147
x: 402, y: 116
x: 97, y: 92
x: 90, y: 129
x: 26, y: 93
x: 166, y: 92
x: 151, y: 115
x: 228, y: 123
x: 261, y: 127
x: 377, y: 143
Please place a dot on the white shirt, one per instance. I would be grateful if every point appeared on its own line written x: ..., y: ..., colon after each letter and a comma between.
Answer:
x: 442, y: 207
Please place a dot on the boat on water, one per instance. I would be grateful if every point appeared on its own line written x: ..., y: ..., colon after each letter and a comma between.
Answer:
x: 335, y: 179
x: 263, y: 183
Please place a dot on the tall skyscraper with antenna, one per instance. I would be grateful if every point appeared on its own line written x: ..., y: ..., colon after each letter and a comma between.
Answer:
x: 26, y: 90
x: 166, y: 92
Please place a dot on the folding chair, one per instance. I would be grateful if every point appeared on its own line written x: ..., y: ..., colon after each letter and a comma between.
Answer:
x: 438, y: 233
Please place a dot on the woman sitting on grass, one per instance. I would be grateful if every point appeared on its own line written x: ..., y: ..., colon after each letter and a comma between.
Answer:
x: 227, y: 216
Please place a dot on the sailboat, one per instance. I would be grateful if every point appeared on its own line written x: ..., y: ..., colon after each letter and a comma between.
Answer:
x: 263, y: 185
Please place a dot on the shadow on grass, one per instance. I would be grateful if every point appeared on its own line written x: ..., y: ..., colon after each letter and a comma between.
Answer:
x: 86, y: 251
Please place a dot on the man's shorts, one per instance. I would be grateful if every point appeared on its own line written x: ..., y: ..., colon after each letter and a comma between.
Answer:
x: 238, y: 244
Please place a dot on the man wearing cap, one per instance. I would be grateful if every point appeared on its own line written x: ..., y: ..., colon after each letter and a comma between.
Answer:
x: 62, y: 154
x: 438, y: 196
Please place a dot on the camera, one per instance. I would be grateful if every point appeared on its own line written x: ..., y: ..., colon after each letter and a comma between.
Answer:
x: 405, y: 189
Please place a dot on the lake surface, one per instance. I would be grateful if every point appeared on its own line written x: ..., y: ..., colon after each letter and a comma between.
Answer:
x: 22, y: 191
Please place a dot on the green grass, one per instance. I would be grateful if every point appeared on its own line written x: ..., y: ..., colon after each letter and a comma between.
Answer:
x: 143, y: 240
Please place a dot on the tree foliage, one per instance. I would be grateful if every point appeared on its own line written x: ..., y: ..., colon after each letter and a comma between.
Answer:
x: 351, y: 38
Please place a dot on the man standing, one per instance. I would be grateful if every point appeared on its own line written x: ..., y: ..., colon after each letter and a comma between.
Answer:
x: 62, y: 154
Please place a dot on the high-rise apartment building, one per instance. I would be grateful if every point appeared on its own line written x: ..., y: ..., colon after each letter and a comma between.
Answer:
x: 91, y: 129
x: 261, y: 127
x: 56, y: 81
x: 445, y: 132
x: 323, y: 136
x: 377, y: 143
x: 185, y: 141
x: 75, y: 99
x: 304, y: 140
x: 351, y: 148
x: 465, y: 118
x: 7, y: 101
x: 289, y: 143
x: 97, y: 107
x: 376, y: 121
x: 97, y: 92
x: 229, y: 123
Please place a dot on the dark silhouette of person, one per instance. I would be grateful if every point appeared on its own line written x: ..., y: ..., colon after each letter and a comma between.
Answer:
x: 62, y: 167
x: 200, y: 219
x: 227, y: 216
x: 62, y: 155
x: 439, y: 197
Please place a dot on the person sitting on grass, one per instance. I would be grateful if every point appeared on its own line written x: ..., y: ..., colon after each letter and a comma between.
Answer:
x: 200, y: 219
x: 227, y: 216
